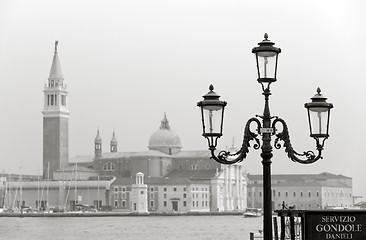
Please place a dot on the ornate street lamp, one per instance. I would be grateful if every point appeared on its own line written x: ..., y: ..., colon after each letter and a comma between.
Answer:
x: 212, y: 109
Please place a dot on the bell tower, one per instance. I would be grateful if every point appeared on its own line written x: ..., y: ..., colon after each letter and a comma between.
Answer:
x: 55, y: 121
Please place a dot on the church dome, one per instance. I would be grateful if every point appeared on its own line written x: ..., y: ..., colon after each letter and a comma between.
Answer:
x: 164, y: 139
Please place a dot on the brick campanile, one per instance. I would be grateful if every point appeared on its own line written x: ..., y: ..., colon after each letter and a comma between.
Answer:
x: 55, y: 121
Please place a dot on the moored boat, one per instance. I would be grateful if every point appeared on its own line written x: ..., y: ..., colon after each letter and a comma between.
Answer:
x: 252, y: 212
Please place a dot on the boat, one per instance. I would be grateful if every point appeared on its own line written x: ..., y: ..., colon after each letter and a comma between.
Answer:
x: 253, y: 212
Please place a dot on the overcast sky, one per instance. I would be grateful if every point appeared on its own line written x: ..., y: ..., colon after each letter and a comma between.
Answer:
x: 127, y: 62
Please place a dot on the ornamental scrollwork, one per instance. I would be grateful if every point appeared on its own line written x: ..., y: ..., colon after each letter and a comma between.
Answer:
x: 224, y: 156
x: 291, y: 153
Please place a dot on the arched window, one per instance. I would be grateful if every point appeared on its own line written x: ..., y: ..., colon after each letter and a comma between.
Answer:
x: 109, y: 167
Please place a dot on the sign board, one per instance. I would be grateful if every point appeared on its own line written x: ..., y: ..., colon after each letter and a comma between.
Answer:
x: 335, y: 224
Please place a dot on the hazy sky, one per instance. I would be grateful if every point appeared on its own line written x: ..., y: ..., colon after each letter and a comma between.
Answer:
x: 127, y: 62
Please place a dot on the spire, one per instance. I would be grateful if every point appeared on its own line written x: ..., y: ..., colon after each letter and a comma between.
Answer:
x: 164, y: 123
x: 55, y: 73
x: 98, y: 146
x: 98, y: 139
x: 114, y: 143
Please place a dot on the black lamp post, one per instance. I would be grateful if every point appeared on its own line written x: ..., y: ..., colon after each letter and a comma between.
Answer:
x: 212, y: 109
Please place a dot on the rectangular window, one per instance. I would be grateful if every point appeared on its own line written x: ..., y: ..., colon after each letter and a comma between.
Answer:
x: 52, y: 98
x: 123, y: 203
x: 123, y: 195
x: 115, y: 203
x: 151, y: 195
x: 309, y: 194
x: 164, y: 203
x: 286, y: 194
x: 55, y: 99
x: 116, y: 189
x: 279, y: 194
x: 184, y: 195
x: 164, y: 195
x: 175, y: 189
x: 301, y: 194
x: 63, y: 100
x: 116, y: 195
x: 151, y: 189
x: 184, y: 189
x: 184, y: 204
x: 294, y: 194
x: 165, y: 189
x: 151, y: 203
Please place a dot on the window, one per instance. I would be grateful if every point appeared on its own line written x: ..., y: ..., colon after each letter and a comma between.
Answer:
x: 165, y: 189
x: 184, y: 203
x: 175, y: 189
x: 279, y: 194
x: 109, y: 167
x: 115, y: 203
x: 301, y: 194
x: 164, y: 203
x: 164, y: 195
x: 63, y: 100
x: 184, y: 195
x: 142, y: 192
x: 123, y: 203
x: 294, y: 194
x: 151, y: 203
x: 116, y: 189
x: 286, y: 194
x: 151, y: 189
x: 184, y: 189
x: 309, y: 194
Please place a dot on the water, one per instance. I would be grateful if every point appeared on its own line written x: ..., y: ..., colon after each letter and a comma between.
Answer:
x: 136, y: 228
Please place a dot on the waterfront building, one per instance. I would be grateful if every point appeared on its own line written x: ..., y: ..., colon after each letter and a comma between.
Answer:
x: 177, y: 181
x: 303, y: 191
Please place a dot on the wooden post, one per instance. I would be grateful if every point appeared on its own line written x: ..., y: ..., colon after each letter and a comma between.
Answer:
x: 283, y: 227
x: 275, y: 226
x: 292, y: 227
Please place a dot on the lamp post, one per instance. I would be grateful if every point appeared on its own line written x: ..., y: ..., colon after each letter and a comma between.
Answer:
x: 212, y: 110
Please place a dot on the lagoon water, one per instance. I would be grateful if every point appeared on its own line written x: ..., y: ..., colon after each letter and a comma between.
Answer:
x: 135, y: 228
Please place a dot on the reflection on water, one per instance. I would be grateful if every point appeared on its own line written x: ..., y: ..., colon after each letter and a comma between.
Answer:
x: 136, y: 228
